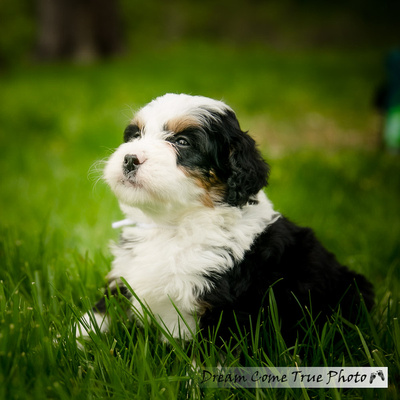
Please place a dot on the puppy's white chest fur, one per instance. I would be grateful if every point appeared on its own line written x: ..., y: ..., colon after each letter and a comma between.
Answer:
x: 167, y: 266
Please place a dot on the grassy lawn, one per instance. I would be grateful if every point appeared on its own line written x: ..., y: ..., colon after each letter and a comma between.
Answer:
x: 312, y: 115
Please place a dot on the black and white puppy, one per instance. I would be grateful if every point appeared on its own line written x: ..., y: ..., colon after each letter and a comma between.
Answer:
x: 202, y: 237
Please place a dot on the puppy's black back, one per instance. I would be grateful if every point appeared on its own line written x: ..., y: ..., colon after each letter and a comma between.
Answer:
x: 302, y: 273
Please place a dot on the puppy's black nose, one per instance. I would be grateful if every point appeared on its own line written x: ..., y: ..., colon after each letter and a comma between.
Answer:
x: 131, y: 162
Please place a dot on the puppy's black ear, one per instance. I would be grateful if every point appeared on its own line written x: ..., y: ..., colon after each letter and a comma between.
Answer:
x: 249, y: 172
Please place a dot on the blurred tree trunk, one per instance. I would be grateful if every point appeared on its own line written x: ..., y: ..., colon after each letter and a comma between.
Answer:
x: 82, y: 30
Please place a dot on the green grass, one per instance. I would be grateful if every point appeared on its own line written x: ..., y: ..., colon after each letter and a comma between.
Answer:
x: 56, y: 121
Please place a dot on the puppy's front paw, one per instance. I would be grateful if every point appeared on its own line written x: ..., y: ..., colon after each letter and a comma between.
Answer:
x: 90, y: 322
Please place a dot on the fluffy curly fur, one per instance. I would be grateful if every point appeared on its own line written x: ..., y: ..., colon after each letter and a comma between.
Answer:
x: 202, y: 235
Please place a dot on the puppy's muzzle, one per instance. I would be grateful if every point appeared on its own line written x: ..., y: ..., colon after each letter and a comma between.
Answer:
x: 131, y: 164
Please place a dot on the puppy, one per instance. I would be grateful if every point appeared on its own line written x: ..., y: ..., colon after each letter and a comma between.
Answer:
x: 201, y: 236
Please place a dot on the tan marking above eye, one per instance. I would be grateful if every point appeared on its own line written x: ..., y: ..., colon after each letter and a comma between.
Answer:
x: 181, y: 124
x: 136, y: 121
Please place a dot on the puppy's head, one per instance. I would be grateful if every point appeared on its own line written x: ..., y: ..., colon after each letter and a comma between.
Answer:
x: 182, y: 151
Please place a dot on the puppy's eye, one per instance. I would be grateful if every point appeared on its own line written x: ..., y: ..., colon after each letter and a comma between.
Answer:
x: 181, y: 141
x: 131, y: 132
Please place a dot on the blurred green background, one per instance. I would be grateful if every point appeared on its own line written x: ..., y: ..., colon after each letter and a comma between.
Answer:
x: 302, y: 77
